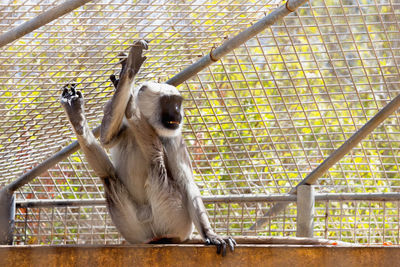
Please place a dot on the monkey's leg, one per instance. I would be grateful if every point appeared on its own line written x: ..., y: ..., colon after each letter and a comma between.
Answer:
x: 201, y: 221
x: 181, y: 170
x: 73, y: 104
x: 115, y: 109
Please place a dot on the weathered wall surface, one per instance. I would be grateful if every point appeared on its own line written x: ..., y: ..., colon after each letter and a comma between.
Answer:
x: 197, y: 255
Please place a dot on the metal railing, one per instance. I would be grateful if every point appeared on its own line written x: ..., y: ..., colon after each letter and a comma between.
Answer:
x: 314, y: 216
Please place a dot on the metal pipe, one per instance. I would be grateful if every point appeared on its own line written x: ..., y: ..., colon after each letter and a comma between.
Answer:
x: 233, y: 43
x: 350, y: 143
x: 7, y: 217
x: 60, y: 203
x: 40, y: 20
x: 305, y: 211
x: 206, y: 199
x: 246, y: 198
x: 222, y: 199
x: 358, y: 197
x: 337, y: 155
x: 182, y: 76
x: 45, y: 165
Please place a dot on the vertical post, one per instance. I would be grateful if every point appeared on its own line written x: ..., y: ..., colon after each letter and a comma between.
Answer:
x: 305, y: 211
x: 7, y: 216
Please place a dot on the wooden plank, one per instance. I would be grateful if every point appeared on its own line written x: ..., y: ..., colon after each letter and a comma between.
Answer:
x: 197, y: 255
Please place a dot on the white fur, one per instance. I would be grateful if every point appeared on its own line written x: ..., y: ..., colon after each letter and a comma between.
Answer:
x: 147, y: 102
x: 168, y: 217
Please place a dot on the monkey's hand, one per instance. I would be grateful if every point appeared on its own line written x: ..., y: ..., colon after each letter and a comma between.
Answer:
x: 221, y: 243
x: 133, y: 62
x: 73, y: 104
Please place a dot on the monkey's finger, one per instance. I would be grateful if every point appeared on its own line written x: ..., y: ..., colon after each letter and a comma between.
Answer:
x: 231, y: 244
x: 144, y: 44
x: 219, y: 247
x: 223, y: 249
x: 65, y: 92
x: 114, y: 80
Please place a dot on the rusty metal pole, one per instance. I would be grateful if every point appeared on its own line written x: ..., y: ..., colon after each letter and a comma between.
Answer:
x: 7, y: 216
x: 40, y: 20
x: 45, y: 165
x: 236, y: 41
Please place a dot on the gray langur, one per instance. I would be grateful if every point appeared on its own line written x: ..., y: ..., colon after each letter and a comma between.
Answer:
x: 149, y: 185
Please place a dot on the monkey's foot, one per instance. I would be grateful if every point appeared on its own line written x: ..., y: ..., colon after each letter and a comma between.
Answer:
x: 73, y: 104
x: 221, y: 243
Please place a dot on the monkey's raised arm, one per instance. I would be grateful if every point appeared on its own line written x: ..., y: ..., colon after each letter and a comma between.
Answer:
x: 115, y: 109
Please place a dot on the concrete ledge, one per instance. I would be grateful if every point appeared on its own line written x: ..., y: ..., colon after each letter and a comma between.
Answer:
x: 197, y: 255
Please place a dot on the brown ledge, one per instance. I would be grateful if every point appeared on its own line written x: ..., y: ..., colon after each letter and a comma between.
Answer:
x: 198, y: 255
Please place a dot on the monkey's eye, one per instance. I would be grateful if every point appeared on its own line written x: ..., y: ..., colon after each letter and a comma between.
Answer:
x: 141, y: 90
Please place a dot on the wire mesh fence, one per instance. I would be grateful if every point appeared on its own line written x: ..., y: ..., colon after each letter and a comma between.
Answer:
x: 359, y: 222
x: 257, y: 121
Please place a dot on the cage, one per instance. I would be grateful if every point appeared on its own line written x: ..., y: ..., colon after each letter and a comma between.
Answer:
x: 309, y: 100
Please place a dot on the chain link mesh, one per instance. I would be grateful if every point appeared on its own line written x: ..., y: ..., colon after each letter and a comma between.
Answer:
x: 258, y: 121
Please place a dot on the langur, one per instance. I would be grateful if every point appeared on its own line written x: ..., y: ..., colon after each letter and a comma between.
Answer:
x: 149, y: 186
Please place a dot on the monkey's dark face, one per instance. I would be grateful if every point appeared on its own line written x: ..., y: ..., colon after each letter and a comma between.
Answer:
x: 171, y: 114
x: 161, y: 104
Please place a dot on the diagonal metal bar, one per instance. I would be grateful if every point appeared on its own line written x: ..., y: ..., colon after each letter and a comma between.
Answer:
x: 236, y: 41
x: 182, y: 76
x: 337, y: 155
x: 45, y: 165
x: 40, y: 21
